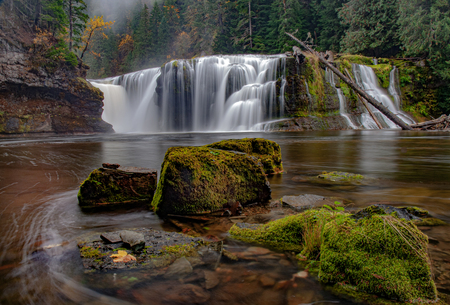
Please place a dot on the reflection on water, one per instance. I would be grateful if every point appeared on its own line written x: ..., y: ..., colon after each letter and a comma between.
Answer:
x: 40, y: 219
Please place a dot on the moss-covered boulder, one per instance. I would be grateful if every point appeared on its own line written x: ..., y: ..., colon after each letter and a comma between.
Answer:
x: 201, y: 179
x: 122, y: 187
x: 267, y: 151
x: 381, y: 255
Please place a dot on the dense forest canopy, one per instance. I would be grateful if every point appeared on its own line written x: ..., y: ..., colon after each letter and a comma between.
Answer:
x: 117, y: 37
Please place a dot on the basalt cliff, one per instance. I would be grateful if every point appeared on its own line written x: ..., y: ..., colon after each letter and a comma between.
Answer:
x: 35, y: 98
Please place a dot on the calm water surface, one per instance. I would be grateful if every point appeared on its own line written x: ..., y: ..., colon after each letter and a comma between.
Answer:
x: 39, y: 180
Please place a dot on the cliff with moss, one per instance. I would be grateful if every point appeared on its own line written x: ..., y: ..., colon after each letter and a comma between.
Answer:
x: 313, y: 104
x: 41, y: 95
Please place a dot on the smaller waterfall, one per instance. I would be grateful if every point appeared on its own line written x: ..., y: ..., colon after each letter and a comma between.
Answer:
x: 329, y: 76
x: 130, y: 100
x: 394, y: 90
x: 366, y: 79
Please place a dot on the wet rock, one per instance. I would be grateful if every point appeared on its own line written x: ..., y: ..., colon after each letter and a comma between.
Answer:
x: 266, y: 281
x: 306, y: 201
x: 124, y: 187
x: 180, y: 268
x: 200, y: 180
x: 382, y: 209
x: 134, y: 240
x: 211, y: 279
x: 268, y: 152
x: 340, y: 176
x: 186, y: 294
x: 161, y: 250
x: 111, y: 237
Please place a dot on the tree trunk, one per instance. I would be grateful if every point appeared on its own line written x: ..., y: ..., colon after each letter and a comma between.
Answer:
x: 70, y: 25
x: 250, y: 23
x: 355, y: 87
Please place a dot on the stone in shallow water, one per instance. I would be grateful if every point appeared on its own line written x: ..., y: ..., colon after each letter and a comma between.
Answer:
x: 201, y: 180
x: 124, y: 187
x: 211, y: 279
x: 186, y: 294
x: 180, y: 268
x: 111, y: 237
x: 135, y: 240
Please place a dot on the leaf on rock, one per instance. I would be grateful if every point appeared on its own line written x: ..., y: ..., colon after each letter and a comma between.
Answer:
x: 123, y: 257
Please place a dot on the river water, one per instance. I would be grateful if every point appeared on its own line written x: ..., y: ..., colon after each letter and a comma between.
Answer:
x: 39, y: 180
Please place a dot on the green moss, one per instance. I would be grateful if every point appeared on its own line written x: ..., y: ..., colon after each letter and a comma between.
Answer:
x: 380, y: 255
x: 382, y: 71
x: 89, y: 252
x: 348, y: 59
x: 197, y: 179
x: 268, y: 152
x: 175, y: 64
x: 284, y: 234
x: 340, y: 176
x: 430, y: 222
x: 179, y: 250
x: 105, y: 186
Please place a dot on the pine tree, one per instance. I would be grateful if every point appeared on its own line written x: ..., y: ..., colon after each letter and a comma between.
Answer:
x: 372, y: 27
x: 77, y: 19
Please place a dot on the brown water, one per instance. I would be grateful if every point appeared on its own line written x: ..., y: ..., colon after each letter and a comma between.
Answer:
x: 39, y: 179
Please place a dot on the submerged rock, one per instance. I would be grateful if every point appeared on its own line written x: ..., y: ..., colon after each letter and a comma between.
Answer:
x: 121, y: 187
x: 341, y: 177
x: 201, y: 180
x: 268, y: 152
x: 307, y: 201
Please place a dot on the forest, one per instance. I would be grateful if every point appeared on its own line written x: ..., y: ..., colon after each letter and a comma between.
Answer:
x: 115, y: 37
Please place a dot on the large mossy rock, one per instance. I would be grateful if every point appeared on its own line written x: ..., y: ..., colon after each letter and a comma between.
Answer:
x: 267, y: 151
x: 201, y: 179
x: 381, y: 255
x: 123, y: 187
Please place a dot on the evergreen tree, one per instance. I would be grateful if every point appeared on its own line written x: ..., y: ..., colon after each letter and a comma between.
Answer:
x: 329, y: 28
x: 77, y: 19
x: 372, y: 27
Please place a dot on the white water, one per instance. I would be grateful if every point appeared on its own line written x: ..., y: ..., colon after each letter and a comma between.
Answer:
x: 366, y: 78
x: 342, y: 100
x: 214, y: 93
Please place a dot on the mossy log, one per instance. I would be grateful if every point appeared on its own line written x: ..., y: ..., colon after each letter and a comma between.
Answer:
x: 201, y: 179
x: 269, y: 152
x: 123, y: 187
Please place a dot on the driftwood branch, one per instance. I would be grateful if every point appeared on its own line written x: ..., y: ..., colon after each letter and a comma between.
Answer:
x: 355, y: 87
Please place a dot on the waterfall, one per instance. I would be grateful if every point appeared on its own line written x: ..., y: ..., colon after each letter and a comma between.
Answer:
x: 213, y: 93
x: 329, y: 76
x: 366, y: 79
x: 129, y: 100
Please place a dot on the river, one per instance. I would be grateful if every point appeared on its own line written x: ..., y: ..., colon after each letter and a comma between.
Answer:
x: 39, y: 180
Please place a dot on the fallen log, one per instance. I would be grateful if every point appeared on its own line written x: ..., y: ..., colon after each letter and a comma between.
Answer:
x: 355, y: 87
x: 441, y: 123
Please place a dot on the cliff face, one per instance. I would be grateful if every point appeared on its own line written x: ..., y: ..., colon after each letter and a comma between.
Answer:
x: 36, y: 99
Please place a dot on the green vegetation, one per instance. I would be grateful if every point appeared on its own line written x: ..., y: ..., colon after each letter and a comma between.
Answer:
x: 268, y: 152
x: 379, y: 254
x: 201, y: 179
x: 89, y: 252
